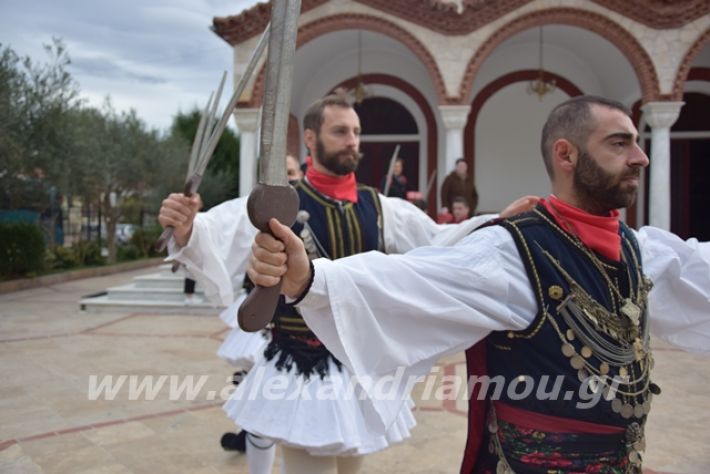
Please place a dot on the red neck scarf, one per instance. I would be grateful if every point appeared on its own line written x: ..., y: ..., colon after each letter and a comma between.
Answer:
x: 340, y: 188
x: 599, y: 233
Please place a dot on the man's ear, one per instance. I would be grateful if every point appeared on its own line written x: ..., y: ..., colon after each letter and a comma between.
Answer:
x: 309, y: 139
x: 564, y: 155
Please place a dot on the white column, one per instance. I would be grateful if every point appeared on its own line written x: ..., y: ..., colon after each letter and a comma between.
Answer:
x: 454, y: 118
x: 248, y: 124
x: 660, y: 116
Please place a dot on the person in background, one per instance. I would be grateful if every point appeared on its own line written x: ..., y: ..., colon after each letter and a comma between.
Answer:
x: 294, y: 172
x: 459, y: 183
x: 398, y: 186
x: 459, y: 212
x: 189, y: 290
x: 554, y: 307
x: 460, y: 209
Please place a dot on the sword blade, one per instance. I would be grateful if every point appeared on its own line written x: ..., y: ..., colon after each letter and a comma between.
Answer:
x: 213, y: 113
x: 197, y: 142
x: 272, y: 196
x: 219, y: 128
x: 193, y: 182
x: 390, y: 171
x: 277, y: 92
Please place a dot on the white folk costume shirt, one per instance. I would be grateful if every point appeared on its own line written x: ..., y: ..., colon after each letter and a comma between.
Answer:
x: 395, y: 315
x: 216, y: 256
x: 219, y: 247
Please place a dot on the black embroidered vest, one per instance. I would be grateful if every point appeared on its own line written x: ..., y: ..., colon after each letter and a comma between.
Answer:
x: 555, y: 262
x: 585, y: 356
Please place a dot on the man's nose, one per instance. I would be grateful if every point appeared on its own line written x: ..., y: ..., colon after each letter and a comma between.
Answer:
x: 352, y: 140
x: 638, y: 156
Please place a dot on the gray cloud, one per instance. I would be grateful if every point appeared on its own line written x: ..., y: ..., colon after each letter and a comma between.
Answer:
x: 155, y: 56
x: 105, y: 68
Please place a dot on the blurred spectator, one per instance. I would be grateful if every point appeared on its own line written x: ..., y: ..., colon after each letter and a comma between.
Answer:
x: 398, y: 182
x: 459, y: 183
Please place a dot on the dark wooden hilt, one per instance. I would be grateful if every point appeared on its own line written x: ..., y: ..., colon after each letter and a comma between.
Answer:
x: 266, y: 202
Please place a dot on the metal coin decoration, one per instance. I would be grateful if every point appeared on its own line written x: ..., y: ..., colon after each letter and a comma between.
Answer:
x: 586, y: 352
x: 631, y: 311
x: 556, y: 292
x: 568, y: 350
x: 577, y: 362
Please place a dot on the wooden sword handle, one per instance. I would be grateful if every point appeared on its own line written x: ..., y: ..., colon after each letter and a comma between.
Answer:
x: 266, y: 202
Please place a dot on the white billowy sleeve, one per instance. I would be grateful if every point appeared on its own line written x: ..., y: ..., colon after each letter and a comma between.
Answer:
x: 396, y: 315
x: 218, y: 250
x: 407, y: 227
x: 679, y: 303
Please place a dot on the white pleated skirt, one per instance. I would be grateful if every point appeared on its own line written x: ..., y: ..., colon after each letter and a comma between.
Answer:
x: 325, y: 417
x: 242, y: 349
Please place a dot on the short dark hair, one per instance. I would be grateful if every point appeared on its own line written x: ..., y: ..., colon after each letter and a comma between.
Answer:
x: 572, y: 120
x: 458, y: 160
x: 313, y: 119
x: 460, y: 199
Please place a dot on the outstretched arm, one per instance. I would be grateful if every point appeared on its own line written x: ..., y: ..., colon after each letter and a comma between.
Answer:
x: 679, y: 303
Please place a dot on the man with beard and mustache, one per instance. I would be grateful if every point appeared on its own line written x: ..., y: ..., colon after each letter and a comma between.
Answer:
x: 553, y: 307
x: 314, y: 414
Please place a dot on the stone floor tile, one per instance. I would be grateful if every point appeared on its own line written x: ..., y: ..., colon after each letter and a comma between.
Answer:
x: 120, y: 433
x: 14, y: 460
x: 56, y: 349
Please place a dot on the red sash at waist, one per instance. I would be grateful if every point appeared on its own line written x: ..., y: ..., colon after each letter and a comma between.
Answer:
x: 531, y: 420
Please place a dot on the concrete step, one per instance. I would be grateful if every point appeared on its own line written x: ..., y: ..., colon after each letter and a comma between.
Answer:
x: 167, y: 270
x: 132, y: 291
x: 104, y: 304
x: 161, y: 280
x: 162, y: 292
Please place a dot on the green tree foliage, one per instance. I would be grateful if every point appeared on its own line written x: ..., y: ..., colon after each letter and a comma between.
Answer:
x: 50, y: 140
x: 53, y: 145
x: 120, y: 161
x: 221, y: 181
x: 34, y: 98
x: 21, y: 249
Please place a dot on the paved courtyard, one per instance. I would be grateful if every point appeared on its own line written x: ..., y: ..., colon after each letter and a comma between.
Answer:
x: 51, y: 353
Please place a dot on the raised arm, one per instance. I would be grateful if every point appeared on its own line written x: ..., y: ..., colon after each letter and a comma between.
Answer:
x: 178, y: 211
x: 214, y: 246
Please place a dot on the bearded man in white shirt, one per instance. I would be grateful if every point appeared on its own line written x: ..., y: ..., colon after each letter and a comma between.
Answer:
x: 565, y: 294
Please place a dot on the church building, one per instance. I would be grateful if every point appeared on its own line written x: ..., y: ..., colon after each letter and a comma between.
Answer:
x: 445, y: 79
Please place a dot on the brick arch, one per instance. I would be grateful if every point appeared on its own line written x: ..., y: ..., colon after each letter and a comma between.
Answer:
x: 350, y: 21
x: 617, y: 35
x: 469, y: 134
x: 685, y: 66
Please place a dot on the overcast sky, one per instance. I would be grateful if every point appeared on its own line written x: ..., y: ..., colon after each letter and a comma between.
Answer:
x: 155, y: 56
